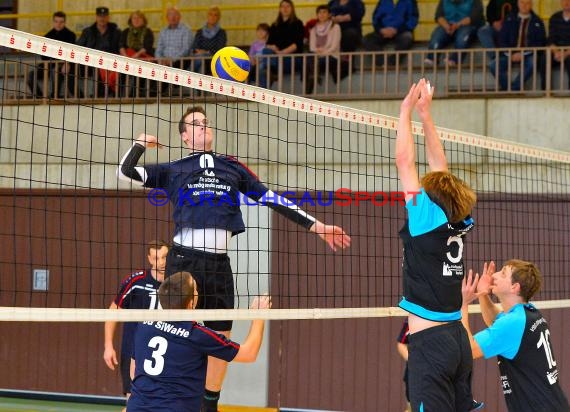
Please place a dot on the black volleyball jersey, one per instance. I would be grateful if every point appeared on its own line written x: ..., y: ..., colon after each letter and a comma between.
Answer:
x: 204, y: 190
x: 433, y: 261
x: 520, y: 339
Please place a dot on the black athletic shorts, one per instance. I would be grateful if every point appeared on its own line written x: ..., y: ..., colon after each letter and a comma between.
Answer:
x: 213, y: 275
x: 439, y: 369
x: 125, y: 366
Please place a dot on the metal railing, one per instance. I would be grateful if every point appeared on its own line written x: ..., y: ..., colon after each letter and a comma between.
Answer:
x: 358, y: 75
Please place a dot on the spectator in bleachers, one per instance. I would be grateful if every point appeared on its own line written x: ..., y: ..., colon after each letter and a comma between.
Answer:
x: 458, y: 21
x: 105, y: 36
x: 285, y: 37
x: 394, y: 22
x: 348, y: 14
x: 174, y: 41
x: 256, y: 48
x: 496, y: 10
x: 209, y: 39
x: 64, y: 69
x: 559, y: 36
x: 520, y: 30
x: 137, y: 41
x: 324, y: 42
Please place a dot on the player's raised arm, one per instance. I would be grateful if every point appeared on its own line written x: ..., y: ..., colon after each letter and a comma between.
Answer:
x: 249, y: 350
x: 128, y: 169
x: 468, y: 291
x: 434, y: 149
x: 405, y: 148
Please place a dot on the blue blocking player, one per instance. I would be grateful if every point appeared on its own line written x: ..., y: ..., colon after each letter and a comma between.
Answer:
x: 517, y: 335
x: 433, y: 238
x: 170, y: 358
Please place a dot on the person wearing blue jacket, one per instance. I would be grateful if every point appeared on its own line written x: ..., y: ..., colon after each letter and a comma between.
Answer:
x: 458, y: 21
x: 394, y: 22
x: 520, y: 30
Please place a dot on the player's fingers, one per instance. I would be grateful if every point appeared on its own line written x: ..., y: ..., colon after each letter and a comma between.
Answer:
x: 109, y: 364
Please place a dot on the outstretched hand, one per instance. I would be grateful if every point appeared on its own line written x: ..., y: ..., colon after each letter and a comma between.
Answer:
x: 419, y: 96
x: 486, y: 279
x: 333, y: 235
x: 423, y: 104
x: 469, y: 287
x: 261, y: 302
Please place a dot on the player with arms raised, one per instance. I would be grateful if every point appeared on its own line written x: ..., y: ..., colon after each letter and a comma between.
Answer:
x: 518, y: 335
x: 439, y: 362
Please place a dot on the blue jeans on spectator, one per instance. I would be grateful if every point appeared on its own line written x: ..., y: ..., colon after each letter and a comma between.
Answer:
x: 273, y: 64
x: 504, y: 61
x: 488, y: 38
x: 461, y: 37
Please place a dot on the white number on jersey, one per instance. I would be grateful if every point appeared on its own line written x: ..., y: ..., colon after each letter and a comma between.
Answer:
x: 545, y: 342
x: 459, y: 241
x: 207, y: 162
x: 159, y: 344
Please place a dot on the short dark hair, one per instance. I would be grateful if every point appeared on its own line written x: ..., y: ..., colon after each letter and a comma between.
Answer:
x: 323, y: 7
x: 177, y: 291
x: 156, y: 244
x: 263, y: 26
x: 527, y: 275
x: 59, y: 14
x: 190, y: 110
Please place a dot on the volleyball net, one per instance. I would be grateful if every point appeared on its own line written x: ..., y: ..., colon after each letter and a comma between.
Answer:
x: 71, y: 230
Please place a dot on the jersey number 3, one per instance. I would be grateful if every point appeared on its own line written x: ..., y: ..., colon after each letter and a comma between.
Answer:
x: 154, y: 368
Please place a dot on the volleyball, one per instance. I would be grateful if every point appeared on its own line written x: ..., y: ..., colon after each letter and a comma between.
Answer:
x: 231, y: 63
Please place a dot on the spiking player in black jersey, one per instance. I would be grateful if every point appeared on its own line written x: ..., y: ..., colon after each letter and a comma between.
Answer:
x: 518, y: 335
x: 204, y: 189
x: 433, y: 238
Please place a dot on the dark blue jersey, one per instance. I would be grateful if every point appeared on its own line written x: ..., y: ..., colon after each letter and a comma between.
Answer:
x: 170, y: 365
x: 204, y: 190
x: 529, y: 373
x: 433, y: 261
x: 404, y: 333
x: 137, y: 291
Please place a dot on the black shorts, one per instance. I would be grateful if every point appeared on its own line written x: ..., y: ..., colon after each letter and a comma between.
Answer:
x: 439, y: 369
x: 125, y: 366
x: 213, y: 275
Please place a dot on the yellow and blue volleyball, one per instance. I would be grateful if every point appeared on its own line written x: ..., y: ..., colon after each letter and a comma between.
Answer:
x: 231, y: 63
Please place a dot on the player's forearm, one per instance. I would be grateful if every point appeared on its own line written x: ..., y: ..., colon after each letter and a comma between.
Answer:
x: 488, y: 309
x: 475, y: 349
x: 289, y: 209
x: 128, y: 169
x: 110, y: 328
x: 434, y: 148
x: 405, y: 148
x: 249, y: 350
